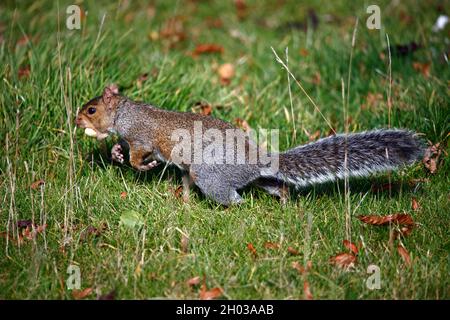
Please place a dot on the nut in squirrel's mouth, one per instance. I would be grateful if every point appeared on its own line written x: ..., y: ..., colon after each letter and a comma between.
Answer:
x: 89, y: 130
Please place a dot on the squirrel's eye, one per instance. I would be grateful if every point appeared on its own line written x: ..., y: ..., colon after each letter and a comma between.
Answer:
x: 91, y: 110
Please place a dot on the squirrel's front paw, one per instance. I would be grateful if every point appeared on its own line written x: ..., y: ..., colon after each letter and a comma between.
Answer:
x: 148, y: 166
x: 116, y: 153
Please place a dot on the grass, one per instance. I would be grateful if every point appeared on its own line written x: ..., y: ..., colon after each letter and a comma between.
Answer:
x: 83, y: 189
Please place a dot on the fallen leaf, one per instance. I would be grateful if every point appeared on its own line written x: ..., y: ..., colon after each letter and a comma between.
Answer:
x: 243, y: 124
x: 398, y: 218
x: 252, y: 249
x: 226, y: 73
x: 344, y: 260
x: 293, y: 251
x: 24, y: 72
x: 271, y: 245
x: 351, y: 246
x: 210, y: 294
x: 404, y: 254
x: 431, y: 157
x: 304, y: 52
x: 81, y: 294
x: 123, y: 195
x: 307, y: 291
x: 193, y: 281
x: 37, y: 184
x: 241, y: 9
x: 177, y: 192
x: 207, y: 48
x: 423, y: 68
x: 415, y: 204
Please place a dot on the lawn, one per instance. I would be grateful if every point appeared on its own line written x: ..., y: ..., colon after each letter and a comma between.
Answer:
x: 130, y: 234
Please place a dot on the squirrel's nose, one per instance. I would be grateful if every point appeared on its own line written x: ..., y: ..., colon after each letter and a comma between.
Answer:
x: 78, y: 120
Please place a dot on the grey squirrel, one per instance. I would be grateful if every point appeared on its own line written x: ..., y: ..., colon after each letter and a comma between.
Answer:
x: 149, y: 130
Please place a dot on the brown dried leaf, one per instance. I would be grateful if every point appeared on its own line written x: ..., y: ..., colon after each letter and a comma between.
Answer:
x: 404, y: 254
x: 207, y: 48
x: 24, y: 72
x: 344, y: 260
x: 304, y: 52
x: 423, y: 68
x: 81, y: 294
x: 177, y: 192
x: 241, y: 9
x: 307, y: 291
x: 193, y: 281
x: 415, y: 204
x: 210, y: 294
x: 398, y: 218
x: 351, y: 246
x: 293, y: 251
x: 252, y: 249
x: 37, y: 184
x: 431, y: 157
x: 123, y: 195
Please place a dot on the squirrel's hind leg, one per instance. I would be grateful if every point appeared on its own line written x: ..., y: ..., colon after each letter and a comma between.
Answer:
x: 215, y: 186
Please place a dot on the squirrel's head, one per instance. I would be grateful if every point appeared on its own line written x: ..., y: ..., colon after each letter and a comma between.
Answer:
x: 97, y: 116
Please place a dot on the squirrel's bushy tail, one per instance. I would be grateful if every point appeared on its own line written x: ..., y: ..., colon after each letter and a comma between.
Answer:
x: 358, y: 154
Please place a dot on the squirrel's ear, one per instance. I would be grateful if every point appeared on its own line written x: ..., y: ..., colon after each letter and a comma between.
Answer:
x: 109, y: 92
